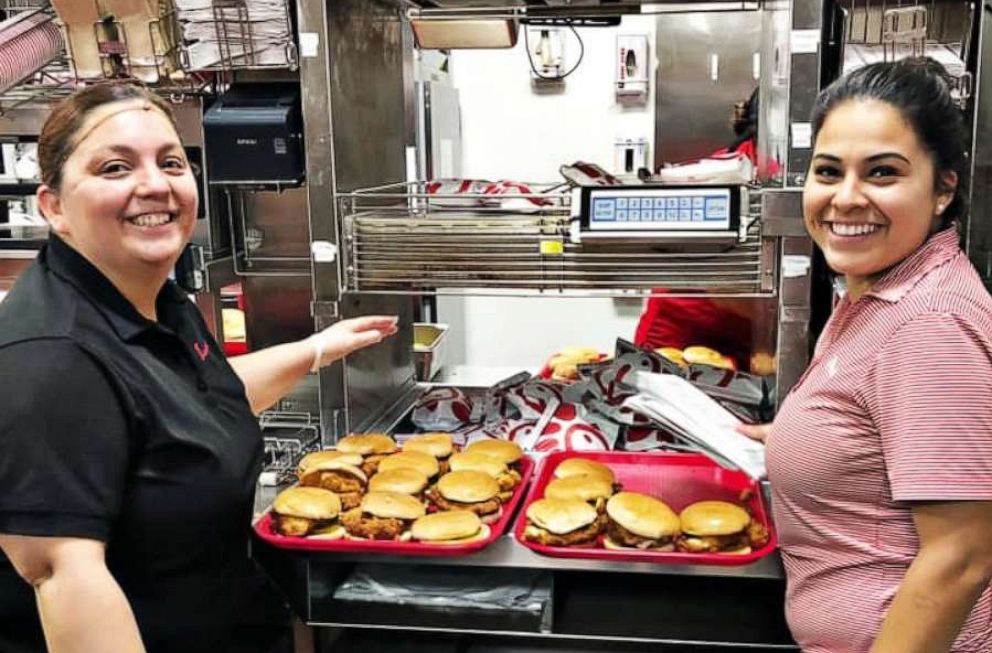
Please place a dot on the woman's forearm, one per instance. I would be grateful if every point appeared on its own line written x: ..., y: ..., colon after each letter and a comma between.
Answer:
x: 83, y: 609
x: 269, y: 374
x: 937, y: 595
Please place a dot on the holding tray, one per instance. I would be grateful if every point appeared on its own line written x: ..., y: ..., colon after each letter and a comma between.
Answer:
x: 263, y: 528
x: 678, y: 479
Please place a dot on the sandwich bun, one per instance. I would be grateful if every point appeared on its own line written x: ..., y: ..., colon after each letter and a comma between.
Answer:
x: 718, y: 527
x: 574, y: 355
x: 403, y: 480
x: 334, y: 475
x: 697, y: 354
x: 468, y: 486
x: 450, y: 527
x: 643, y: 515
x: 307, y: 502
x: 367, y: 444
x: 297, y: 511
x: 439, y: 445
x: 673, y: 354
x: 503, y: 450
x: 561, y: 516
x: 714, y: 518
x: 591, y: 488
x: 326, y: 455
x: 640, y: 522
x: 416, y: 460
x: 578, y: 466
x: 471, y: 460
x: 392, y: 505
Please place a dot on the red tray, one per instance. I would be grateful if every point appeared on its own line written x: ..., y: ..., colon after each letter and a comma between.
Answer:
x: 678, y: 479
x: 263, y: 528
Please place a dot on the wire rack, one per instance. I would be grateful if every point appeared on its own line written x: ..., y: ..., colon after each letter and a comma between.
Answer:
x: 887, y: 30
x: 51, y: 82
x: 234, y: 31
x: 401, y: 239
x: 174, y: 71
x: 286, y: 437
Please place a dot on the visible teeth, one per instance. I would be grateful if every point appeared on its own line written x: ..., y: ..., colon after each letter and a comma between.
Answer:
x: 151, y: 219
x: 850, y: 229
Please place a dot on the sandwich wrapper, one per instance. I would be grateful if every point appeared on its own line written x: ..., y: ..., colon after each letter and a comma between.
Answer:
x: 443, y: 409
x: 696, y: 418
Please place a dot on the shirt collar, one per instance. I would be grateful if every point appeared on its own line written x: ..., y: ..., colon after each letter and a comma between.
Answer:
x: 935, y: 251
x: 72, y: 266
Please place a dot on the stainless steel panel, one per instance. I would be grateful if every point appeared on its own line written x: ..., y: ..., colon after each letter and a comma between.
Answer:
x: 376, y: 377
x: 978, y: 231
x: 793, y: 317
x: 773, y: 117
x: 277, y: 226
x: 782, y: 212
x: 694, y: 111
x: 439, y: 143
x: 277, y: 310
x: 367, y: 106
x: 354, y: 116
x: 804, y: 85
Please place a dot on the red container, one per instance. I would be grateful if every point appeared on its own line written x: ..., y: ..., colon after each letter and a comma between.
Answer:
x: 678, y: 479
x: 263, y: 528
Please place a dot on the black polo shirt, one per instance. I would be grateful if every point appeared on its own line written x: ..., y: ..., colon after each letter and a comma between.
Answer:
x: 133, y: 432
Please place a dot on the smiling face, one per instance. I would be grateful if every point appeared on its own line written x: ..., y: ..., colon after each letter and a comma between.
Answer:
x: 870, y: 198
x: 127, y: 199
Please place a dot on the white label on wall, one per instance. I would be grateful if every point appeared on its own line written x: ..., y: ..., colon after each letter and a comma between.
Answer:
x: 795, y: 265
x: 323, y: 251
x: 802, y: 135
x: 447, y: 158
x: 804, y: 41
x: 309, y: 42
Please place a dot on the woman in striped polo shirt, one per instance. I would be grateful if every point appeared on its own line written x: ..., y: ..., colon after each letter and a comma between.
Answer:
x: 880, y: 458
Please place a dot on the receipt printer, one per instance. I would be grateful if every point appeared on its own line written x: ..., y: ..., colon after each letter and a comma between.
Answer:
x: 253, y: 136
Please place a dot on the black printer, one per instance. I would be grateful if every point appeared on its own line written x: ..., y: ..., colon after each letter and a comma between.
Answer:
x: 253, y: 136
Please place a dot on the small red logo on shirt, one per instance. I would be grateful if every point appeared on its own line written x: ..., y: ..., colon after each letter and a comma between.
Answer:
x: 201, y: 349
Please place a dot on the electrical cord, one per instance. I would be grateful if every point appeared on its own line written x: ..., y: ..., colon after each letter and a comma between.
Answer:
x: 530, y: 56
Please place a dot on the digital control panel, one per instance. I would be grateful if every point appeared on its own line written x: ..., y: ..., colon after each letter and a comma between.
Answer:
x: 660, y: 208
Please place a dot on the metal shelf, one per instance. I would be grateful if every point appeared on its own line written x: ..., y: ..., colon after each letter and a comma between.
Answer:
x: 402, y: 239
x: 506, y: 552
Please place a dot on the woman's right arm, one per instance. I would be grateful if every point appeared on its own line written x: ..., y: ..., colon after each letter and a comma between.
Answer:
x: 82, y: 608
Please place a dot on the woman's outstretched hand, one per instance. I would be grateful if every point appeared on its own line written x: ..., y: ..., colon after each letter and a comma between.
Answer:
x: 757, y: 432
x: 344, y: 337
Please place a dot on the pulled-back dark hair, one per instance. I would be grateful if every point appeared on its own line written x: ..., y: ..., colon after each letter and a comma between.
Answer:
x: 920, y: 89
x: 58, y: 136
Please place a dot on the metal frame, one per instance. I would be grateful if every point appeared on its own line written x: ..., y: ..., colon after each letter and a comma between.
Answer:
x: 402, y: 238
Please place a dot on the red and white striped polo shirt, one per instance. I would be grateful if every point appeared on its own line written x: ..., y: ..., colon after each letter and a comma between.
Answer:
x: 895, y: 407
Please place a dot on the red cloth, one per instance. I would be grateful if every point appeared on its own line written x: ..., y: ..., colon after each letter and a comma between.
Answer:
x: 683, y: 321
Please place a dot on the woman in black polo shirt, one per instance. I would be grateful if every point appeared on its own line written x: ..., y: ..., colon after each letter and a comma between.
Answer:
x: 129, y: 446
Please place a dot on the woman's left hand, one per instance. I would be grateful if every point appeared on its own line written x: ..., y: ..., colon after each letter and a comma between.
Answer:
x: 344, y: 337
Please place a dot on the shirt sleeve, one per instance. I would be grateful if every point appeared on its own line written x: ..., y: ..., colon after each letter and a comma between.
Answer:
x: 64, y: 442
x: 933, y: 409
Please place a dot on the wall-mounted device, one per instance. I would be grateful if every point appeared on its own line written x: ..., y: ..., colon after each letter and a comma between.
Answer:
x: 662, y: 213
x: 253, y: 136
x: 547, y: 54
x: 632, y: 68
x: 630, y: 155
